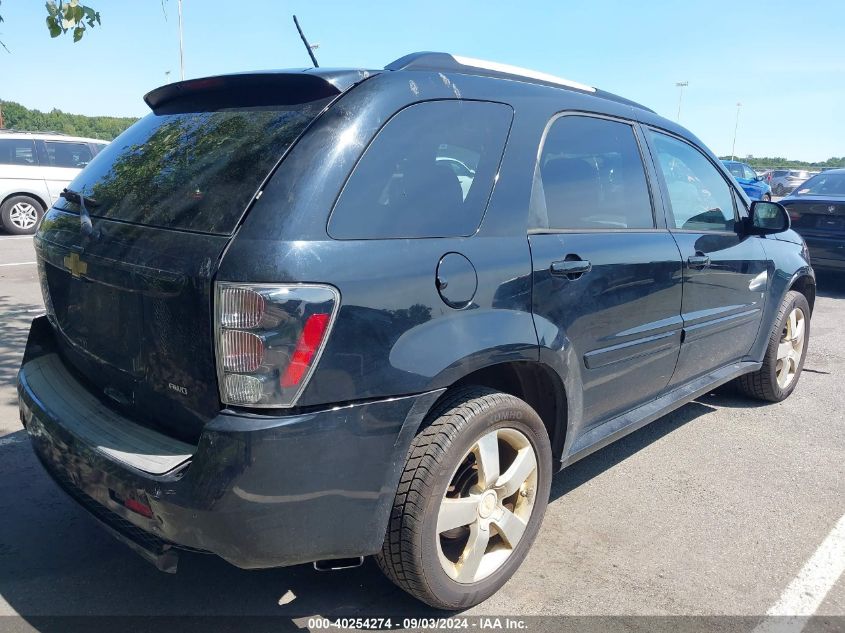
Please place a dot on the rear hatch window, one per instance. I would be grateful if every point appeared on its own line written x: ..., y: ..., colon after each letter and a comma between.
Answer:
x: 195, y: 170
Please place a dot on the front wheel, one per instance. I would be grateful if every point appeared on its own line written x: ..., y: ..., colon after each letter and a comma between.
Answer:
x: 766, y: 197
x: 785, y: 355
x: 470, y: 500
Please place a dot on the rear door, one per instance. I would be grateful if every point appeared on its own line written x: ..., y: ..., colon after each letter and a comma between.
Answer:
x: 606, y: 276
x: 61, y: 161
x: 725, y: 273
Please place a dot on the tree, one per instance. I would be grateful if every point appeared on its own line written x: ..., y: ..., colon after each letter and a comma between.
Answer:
x: 64, y: 16
x: 67, y: 16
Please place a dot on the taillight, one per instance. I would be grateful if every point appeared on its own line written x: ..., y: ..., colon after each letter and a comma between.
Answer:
x: 269, y: 339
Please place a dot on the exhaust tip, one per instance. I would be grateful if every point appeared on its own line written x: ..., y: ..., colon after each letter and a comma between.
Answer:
x: 335, y: 564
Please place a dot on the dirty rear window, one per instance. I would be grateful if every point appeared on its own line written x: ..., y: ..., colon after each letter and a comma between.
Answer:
x: 190, y: 170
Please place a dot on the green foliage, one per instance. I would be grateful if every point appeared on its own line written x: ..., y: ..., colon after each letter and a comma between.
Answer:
x: 785, y: 163
x: 69, y: 15
x: 18, y: 117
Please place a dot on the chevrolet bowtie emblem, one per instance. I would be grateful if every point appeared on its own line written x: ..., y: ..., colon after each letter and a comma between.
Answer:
x: 75, y: 265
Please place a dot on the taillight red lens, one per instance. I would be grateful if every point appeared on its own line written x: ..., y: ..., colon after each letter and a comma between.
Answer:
x: 306, y: 347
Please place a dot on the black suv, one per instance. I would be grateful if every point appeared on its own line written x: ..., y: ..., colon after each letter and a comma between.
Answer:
x: 318, y: 315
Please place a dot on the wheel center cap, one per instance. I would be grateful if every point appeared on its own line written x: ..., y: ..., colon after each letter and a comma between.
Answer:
x: 487, y: 504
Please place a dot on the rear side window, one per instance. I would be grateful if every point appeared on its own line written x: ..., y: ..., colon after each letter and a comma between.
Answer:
x: 64, y: 154
x: 700, y: 198
x: 17, y: 152
x: 191, y: 170
x: 429, y: 172
x: 591, y: 177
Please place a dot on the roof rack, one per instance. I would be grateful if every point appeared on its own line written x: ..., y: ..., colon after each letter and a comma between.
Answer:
x: 11, y: 130
x: 447, y: 62
x: 458, y: 63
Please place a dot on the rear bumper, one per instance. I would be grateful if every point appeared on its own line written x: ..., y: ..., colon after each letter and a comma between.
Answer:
x: 259, y: 491
x: 826, y: 253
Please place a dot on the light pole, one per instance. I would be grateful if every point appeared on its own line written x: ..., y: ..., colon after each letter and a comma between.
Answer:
x: 681, y: 85
x: 181, y: 47
x: 736, y: 125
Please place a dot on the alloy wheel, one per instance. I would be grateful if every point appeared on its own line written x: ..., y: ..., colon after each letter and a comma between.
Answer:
x: 487, y: 505
x: 23, y: 215
x: 790, y: 348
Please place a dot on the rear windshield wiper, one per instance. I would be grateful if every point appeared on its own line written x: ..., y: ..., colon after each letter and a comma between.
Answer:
x: 82, y: 200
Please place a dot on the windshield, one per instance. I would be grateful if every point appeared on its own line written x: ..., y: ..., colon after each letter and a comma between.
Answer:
x: 823, y: 185
x: 195, y: 170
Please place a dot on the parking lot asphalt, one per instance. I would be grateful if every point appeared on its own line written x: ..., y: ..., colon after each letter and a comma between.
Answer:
x: 712, y: 510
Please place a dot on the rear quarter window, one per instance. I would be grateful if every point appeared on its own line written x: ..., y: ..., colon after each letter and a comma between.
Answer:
x: 17, y: 152
x: 429, y: 172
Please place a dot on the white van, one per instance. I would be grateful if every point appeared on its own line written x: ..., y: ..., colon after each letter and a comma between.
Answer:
x: 34, y: 168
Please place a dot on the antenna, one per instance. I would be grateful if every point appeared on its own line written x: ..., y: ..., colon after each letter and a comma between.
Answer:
x: 308, y: 47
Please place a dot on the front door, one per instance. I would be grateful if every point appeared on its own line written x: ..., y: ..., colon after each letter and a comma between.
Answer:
x: 725, y: 272
x: 606, y: 280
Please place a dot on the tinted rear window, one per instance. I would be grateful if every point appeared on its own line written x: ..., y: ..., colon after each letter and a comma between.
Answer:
x: 428, y: 173
x: 191, y: 170
x: 823, y: 185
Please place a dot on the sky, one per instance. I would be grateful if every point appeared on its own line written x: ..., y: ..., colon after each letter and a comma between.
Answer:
x: 784, y: 61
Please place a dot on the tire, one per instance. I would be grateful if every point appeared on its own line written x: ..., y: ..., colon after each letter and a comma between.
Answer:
x: 20, y: 215
x: 766, y: 197
x: 778, y: 189
x: 423, y: 559
x: 769, y: 382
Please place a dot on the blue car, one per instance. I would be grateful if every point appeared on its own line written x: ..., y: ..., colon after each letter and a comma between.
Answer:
x: 754, y: 185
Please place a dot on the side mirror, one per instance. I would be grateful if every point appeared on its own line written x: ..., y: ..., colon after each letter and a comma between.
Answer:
x: 767, y: 217
x: 758, y: 178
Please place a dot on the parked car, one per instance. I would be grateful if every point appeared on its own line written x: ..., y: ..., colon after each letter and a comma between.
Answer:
x: 784, y: 181
x: 302, y: 342
x: 755, y: 186
x: 817, y: 209
x: 34, y: 168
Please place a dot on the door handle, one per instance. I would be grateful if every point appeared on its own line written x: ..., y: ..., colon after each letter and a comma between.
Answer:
x: 698, y: 261
x: 571, y: 268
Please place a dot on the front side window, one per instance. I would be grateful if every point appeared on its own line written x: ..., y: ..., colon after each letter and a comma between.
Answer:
x: 750, y: 174
x: 699, y: 197
x: 64, y: 154
x: 591, y: 176
x: 736, y: 170
x: 17, y: 152
x: 428, y: 173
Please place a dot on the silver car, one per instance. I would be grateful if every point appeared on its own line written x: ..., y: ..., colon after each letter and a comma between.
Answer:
x: 784, y: 181
x: 34, y: 168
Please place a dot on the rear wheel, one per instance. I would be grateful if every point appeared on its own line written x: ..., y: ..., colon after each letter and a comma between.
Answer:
x: 470, y: 500
x: 20, y: 215
x: 778, y: 189
x: 785, y: 354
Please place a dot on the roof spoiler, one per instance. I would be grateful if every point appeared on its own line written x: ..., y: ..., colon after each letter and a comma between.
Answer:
x: 273, y: 88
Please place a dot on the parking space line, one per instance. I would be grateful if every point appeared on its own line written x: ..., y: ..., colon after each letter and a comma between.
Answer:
x: 15, y: 237
x: 803, y: 596
x: 18, y: 264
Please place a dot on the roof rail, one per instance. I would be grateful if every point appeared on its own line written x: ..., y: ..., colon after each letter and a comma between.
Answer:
x: 458, y: 63
x: 12, y: 130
